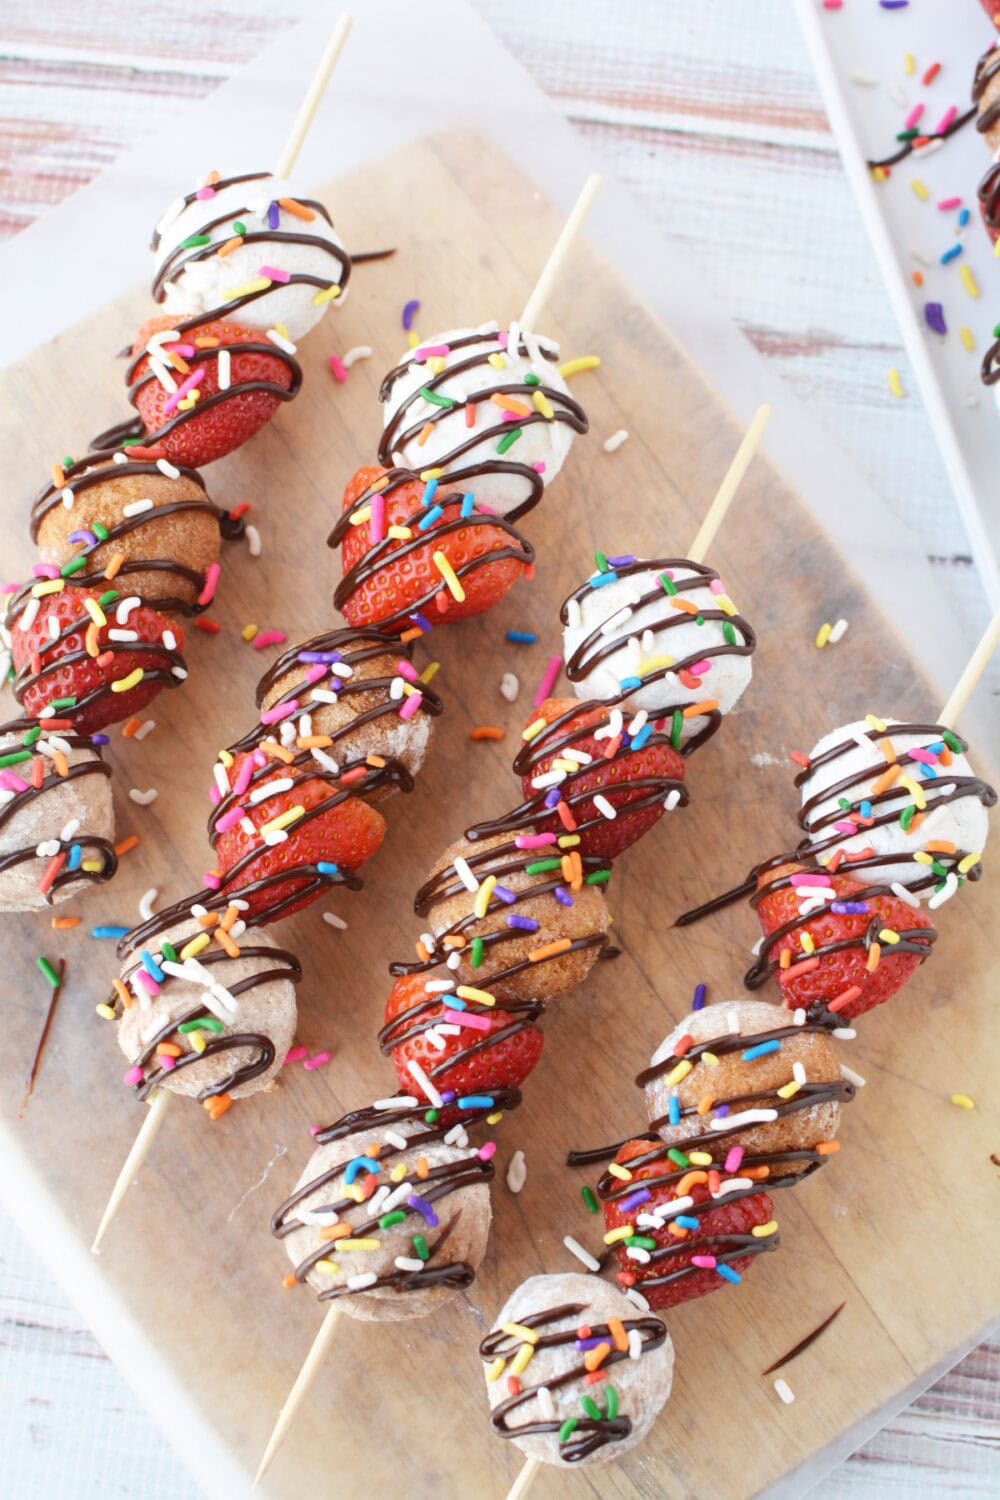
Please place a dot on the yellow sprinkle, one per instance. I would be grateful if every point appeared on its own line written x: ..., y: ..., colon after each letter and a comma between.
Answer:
x: 398, y: 1172
x: 50, y: 586
x: 249, y: 631
x: 352, y: 1191
x: 682, y: 1070
x: 259, y: 284
x: 449, y: 575
x: 197, y: 1041
x: 495, y: 1370
x: 124, y: 684
x: 107, y: 1011
x: 485, y: 891
x: 923, y: 858
x: 283, y: 820
x: 968, y: 280
x: 763, y: 1231
x: 226, y: 758
x: 430, y: 671
x: 561, y: 764
x: 654, y: 664
x: 996, y: 248
x: 874, y: 722
x: 919, y: 189
x: 330, y: 1267
x: 612, y: 1237
x: 823, y: 635
x: 521, y: 1358
x: 895, y: 384
x: 541, y: 403
x: 519, y: 1331
x: 481, y: 997
x: 700, y: 1158
x: 92, y: 865
x: 574, y: 366
x: 196, y: 945
x: 963, y: 1101
x: 965, y: 334
x: 322, y: 297
x: 568, y: 840
x: 350, y: 1244
x: 399, y: 533
x: 789, y: 1090
x: 495, y: 1117
x: 909, y: 63
x: 622, y: 1173
x: 888, y: 935
x: 808, y: 945
x: 359, y: 517
x: 413, y: 338
x: 498, y: 361
x: 725, y: 604
x: 95, y: 611
x: 436, y: 364
x: 879, y: 174
x: 915, y: 790
x: 533, y: 729
x: 426, y: 474
x: 713, y: 1062
x: 967, y: 863
x: 282, y: 329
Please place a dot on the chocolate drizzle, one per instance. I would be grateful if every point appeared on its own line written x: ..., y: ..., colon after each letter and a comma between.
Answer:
x: 590, y: 1434
x: 990, y: 368
x: 393, y: 552
x: 419, y: 1018
x: 987, y: 68
x: 597, y: 647
x: 400, y: 430
x: 988, y: 194
x: 907, y: 147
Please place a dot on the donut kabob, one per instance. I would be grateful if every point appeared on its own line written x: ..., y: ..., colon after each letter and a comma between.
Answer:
x: 894, y: 822
x: 515, y: 917
x: 344, y: 720
x: 127, y: 535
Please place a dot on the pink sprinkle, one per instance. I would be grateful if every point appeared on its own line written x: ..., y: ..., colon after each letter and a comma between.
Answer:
x: 948, y: 203
x: 279, y: 710
x: 10, y: 588
x: 188, y: 350
x: 274, y: 273
x: 926, y: 756
x: 211, y: 579
x: 214, y: 795
x: 717, y: 586
x: 503, y: 339
x: 133, y: 1077
x: 533, y: 840
x: 465, y: 1018
x: 205, y: 192
x: 485, y: 1152
x: 810, y: 879
x: 259, y: 759
x: 733, y: 1158
x: 231, y: 818
x: 243, y: 776
x: 315, y: 672
x: 317, y: 1061
x: 45, y: 570
x: 945, y: 120
x: 707, y: 1262
x: 195, y: 378
x: 407, y: 670
x: 337, y: 366
x: 913, y: 116
x: 167, y: 1062
x: 699, y: 668
x: 827, y: 5
x: 147, y: 981
x: 548, y: 681
x: 513, y: 416
x: 12, y: 782
x: 296, y: 1054
x: 431, y: 351
x: 376, y: 520
x: 211, y: 880
x: 268, y: 638
x: 539, y: 468
x: 315, y: 1129
x: 486, y: 510
x: 411, y: 705
x: 844, y: 827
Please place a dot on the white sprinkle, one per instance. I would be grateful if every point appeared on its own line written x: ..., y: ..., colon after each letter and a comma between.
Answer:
x: 396, y: 688
x: 618, y: 618
x: 143, y: 798
x: 864, y: 80
x: 433, y: 1037
x: 636, y: 1252
x: 798, y: 1072
x: 733, y: 1023
x: 671, y: 800
x: 123, y: 635
x: 147, y: 903
x: 253, y: 540
x: 179, y: 672
x: 949, y: 889
x: 575, y: 1248
x: 547, y: 779
x: 169, y: 640
x: 546, y: 1404
x: 604, y: 808
x: 637, y: 1298
x: 137, y: 507
x: 574, y: 614
x: 517, y: 1172
x: 799, y: 1017
x: 119, y: 457
x: 934, y: 144
x: 844, y: 1033
x: 69, y: 830
x: 465, y: 875
x: 48, y: 712
x: 509, y: 687
x: 744, y: 1117
x: 423, y: 1082
x: 785, y: 1391
x: 634, y: 1343
x: 733, y: 1185
x: 335, y: 921
x: 394, y: 1138
x: 612, y: 728
x: 48, y: 849
x: 852, y: 1077
x: 838, y: 632
x: 400, y: 1195
x: 162, y: 373
x: 579, y: 757
x: 437, y: 986
x: 145, y: 728
x: 125, y: 608
x: 409, y: 1263
x: 166, y: 467
x: 221, y: 778
x: 639, y: 722
x: 398, y: 1101
x: 223, y: 366
x: 360, y: 351
x: 454, y: 960
x: 614, y: 442
x: 323, y: 695
x: 341, y: 669
x: 358, y: 1283
x: 53, y: 628
x: 270, y: 789
x: 237, y: 930
x: 279, y: 339
x: 897, y: 96
x: 904, y: 895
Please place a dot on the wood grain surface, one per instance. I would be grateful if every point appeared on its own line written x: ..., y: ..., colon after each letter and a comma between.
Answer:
x: 191, y: 1253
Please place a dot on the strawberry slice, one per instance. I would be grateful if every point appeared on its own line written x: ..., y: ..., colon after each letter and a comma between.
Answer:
x: 325, y: 832
x: 261, y: 375
x: 590, y: 746
x: 849, y: 953
x: 672, y: 1273
x: 95, y: 656
x: 448, y: 559
x: 492, y: 1048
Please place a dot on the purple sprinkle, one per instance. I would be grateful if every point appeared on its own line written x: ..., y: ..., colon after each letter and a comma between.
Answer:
x: 934, y: 313
x: 563, y: 896
x: 699, y: 997
x: 83, y: 536
x: 410, y: 311
x: 528, y: 924
x: 621, y: 562
x: 504, y: 894
x: 894, y: 4
x: 319, y: 656
x: 100, y: 739
x: 582, y: 1345
x: 423, y: 1208
x: 633, y: 1200
x: 722, y: 1111
x: 448, y: 1096
x: 273, y: 214
x: 552, y: 797
x: 422, y: 621
x: 849, y: 908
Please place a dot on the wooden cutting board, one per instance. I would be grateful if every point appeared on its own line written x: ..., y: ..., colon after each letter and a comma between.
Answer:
x: 902, y: 1224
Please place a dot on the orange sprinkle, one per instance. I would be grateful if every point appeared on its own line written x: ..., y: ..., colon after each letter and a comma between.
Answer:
x: 168, y: 1049
x: 486, y: 732
x: 271, y: 747
x: 835, y: 861
x: 207, y: 918
x: 566, y: 817
x: 453, y: 940
x: 292, y: 206
x: 827, y: 1148
x: 412, y: 634
x: 423, y: 1167
x: 318, y: 742
x: 229, y: 917
x: 425, y: 433
x: 594, y: 1358
x: 617, y: 1331
x: 690, y: 1180
x: 58, y: 476
x: 550, y: 950
x: 874, y: 956
x: 126, y: 844
x: 114, y: 566
x: 179, y: 363
x: 211, y: 178
x: 37, y: 772
x: 677, y: 1232
x: 229, y: 246
x: 785, y: 959
x: 507, y: 403
x: 206, y: 341
x: 122, y: 993
x: 217, y: 1105
x: 66, y: 921
x: 944, y: 756
x: 886, y: 780
x: 470, y: 412
x: 593, y: 1377
x: 918, y: 278
x: 915, y: 822
x: 289, y: 1280
x: 350, y: 777
x: 705, y: 1104
x: 685, y: 605
x: 707, y: 706
x: 756, y: 1174
x: 422, y: 952
x: 378, y: 761
x: 60, y: 762
x: 805, y: 967
x: 130, y: 726
x: 940, y: 846
x: 887, y: 748
x: 90, y: 640
x: 226, y: 943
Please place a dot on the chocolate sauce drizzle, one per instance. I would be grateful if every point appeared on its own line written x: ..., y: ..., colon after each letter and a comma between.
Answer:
x: 988, y: 193
x: 590, y: 1433
x: 597, y: 647
x: 98, y: 468
x: 987, y: 69
x: 419, y: 1018
x: 94, y: 765
x: 398, y: 434
x: 391, y: 552
x: 907, y: 147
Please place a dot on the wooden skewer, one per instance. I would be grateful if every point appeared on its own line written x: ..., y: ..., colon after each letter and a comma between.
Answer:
x: 314, y: 94
x: 560, y: 250
x: 715, y: 515
x: 299, y: 1390
x: 140, y: 1149
x: 525, y: 1479
x: 974, y: 668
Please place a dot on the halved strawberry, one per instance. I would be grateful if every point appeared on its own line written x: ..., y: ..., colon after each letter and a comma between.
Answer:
x: 590, y: 747
x: 491, y: 1049
x: 849, y: 953
x: 460, y: 562
x: 97, y: 655
x: 670, y: 1275
x: 328, y: 831
x: 261, y: 375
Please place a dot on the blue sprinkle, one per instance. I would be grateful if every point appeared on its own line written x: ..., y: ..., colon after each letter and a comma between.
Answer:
x: 674, y: 1110
x: 686, y: 1221
x: 360, y: 1164
x: 527, y: 924
x: 936, y: 749
x: 522, y: 637
x: 761, y: 1050
x: 326, y: 868
x: 475, y: 1101
x: 927, y: 771
x: 726, y: 1272
x: 643, y: 735
x: 108, y: 932
x: 410, y: 309
x: 505, y: 894
x: 952, y: 253
x: 453, y: 1002
x: 598, y: 580
x: 699, y: 997
x: 561, y: 894
x: 424, y: 1208
x: 866, y: 809
x: 963, y: 217
x: 151, y: 966
x: 468, y: 501
x: 434, y: 514
x: 430, y: 492
x: 627, y: 684
x: 75, y: 856
x: 642, y: 1195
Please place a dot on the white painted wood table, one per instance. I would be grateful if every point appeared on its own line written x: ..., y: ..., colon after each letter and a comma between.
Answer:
x: 708, y: 111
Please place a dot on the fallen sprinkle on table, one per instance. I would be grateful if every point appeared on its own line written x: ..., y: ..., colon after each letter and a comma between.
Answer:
x: 253, y: 541
x: 614, y: 442
x: 144, y: 798
x: 510, y: 686
x: 486, y: 732
x: 265, y: 638
x: 962, y: 1101
x: 318, y: 1060
x: 784, y: 1391
x: 335, y: 921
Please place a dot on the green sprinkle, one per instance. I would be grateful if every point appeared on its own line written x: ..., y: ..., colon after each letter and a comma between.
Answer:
x: 49, y: 972
x: 32, y: 734
x: 12, y: 757
x: 842, y: 802
x: 108, y: 597
x: 477, y: 952
x: 952, y: 740
x: 420, y: 1246
x: 395, y: 1217
x: 100, y: 531
x: 509, y: 439
x: 132, y: 442
x: 567, y: 1429
x: 591, y: 1408
x: 434, y: 398
x: 668, y: 584
x: 641, y: 1242
x: 205, y: 1023
x: 679, y: 1157
x: 169, y: 952
x: 431, y: 1116
x: 610, y: 1403
x: 728, y: 633
x: 599, y: 877
x: 699, y: 619
x: 601, y: 559
x: 239, y: 227
x: 589, y: 1201
x: 74, y: 565
x: 907, y: 135
x: 906, y: 817
x: 67, y: 463
x: 63, y: 703
x: 532, y: 379
x: 676, y: 722
x: 540, y: 866
x: 194, y: 240
x: 939, y: 869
